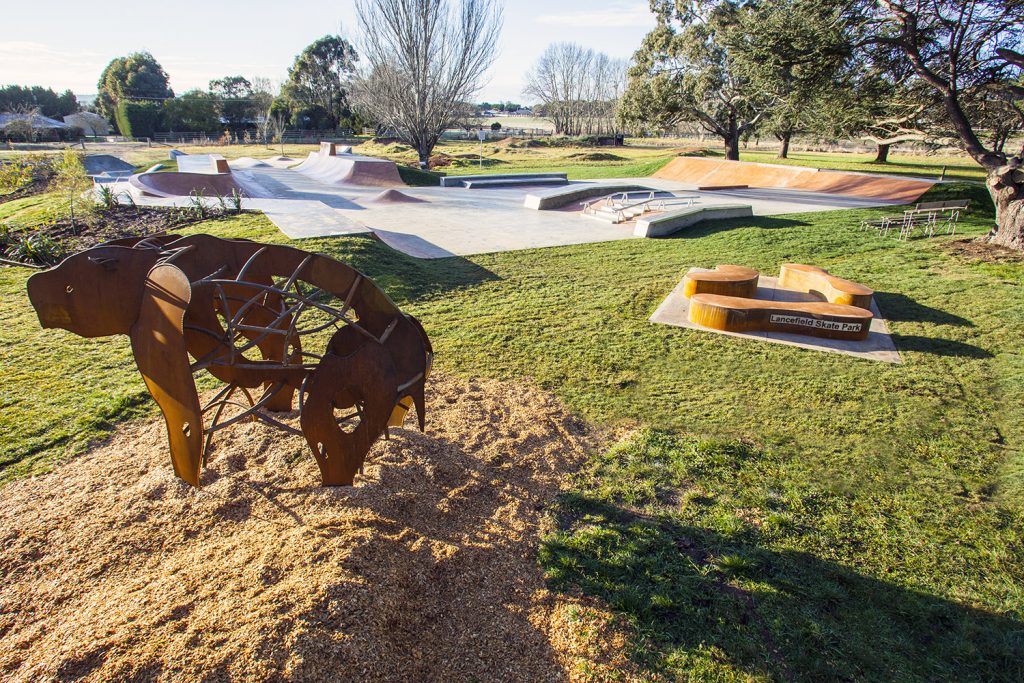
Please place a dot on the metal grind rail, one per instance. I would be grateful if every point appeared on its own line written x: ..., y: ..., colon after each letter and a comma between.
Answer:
x: 618, y: 204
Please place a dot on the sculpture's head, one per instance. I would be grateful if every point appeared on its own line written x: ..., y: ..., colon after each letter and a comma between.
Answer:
x: 95, y: 293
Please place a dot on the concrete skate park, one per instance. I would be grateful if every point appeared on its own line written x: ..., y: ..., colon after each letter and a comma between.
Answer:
x: 335, y: 192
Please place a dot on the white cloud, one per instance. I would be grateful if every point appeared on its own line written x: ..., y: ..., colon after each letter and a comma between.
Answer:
x: 41, y: 64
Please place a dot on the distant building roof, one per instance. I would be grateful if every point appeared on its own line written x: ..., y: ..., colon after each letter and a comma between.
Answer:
x: 38, y: 121
x: 90, y: 123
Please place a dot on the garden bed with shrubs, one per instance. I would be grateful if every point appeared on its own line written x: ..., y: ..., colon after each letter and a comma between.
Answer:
x: 74, y: 215
x: 20, y: 178
x: 47, y: 244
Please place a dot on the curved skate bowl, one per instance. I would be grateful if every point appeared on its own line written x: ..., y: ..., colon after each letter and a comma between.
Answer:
x: 330, y: 167
x: 721, y: 174
x: 185, y: 184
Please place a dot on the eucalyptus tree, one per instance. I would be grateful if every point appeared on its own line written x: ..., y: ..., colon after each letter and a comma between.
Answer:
x: 319, y: 77
x: 730, y: 67
x: 968, y: 53
x: 794, y: 51
x: 687, y: 71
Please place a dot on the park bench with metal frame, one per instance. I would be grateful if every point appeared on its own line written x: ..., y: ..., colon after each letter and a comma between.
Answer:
x: 924, y: 215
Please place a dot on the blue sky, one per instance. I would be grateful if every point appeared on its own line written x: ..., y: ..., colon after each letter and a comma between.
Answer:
x: 66, y: 45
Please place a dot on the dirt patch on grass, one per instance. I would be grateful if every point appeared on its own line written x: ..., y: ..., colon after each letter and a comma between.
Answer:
x: 979, y: 250
x: 425, y: 570
x: 596, y: 156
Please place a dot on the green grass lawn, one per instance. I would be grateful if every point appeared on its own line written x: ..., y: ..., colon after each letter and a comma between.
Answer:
x: 776, y: 513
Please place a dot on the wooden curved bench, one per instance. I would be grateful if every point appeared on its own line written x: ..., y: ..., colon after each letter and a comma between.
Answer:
x: 726, y: 280
x: 814, y: 280
x: 738, y: 314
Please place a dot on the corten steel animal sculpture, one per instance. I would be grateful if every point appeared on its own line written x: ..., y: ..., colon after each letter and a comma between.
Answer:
x: 222, y: 301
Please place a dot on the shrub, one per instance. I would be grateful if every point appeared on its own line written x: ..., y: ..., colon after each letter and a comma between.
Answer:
x: 20, y: 129
x: 14, y: 175
x: 106, y: 198
x: 72, y: 182
x: 137, y: 119
x: 7, y: 235
x: 38, y: 248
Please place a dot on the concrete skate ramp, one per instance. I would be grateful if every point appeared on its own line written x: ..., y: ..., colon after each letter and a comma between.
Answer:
x: 712, y: 172
x: 349, y: 169
x: 184, y: 184
x: 203, y: 163
x: 97, y: 164
x: 249, y: 162
x: 394, y: 197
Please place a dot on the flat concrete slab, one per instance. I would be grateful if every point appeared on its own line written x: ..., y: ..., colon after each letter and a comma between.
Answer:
x: 456, y: 221
x: 296, y: 218
x: 303, y: 219
x: 452, y: 221
x: 879, y: 346
x: 108, y: 165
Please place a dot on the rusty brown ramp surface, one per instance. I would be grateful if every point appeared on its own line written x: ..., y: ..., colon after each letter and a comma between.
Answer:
x: 704, y: 172
x: 185, y: 184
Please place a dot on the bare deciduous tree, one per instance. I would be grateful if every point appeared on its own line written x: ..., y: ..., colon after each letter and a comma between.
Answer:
x: 424, y: 58
x: 277, y: 125
x: 24, y: 125
x: 578, y: 89
x: 264, y: 91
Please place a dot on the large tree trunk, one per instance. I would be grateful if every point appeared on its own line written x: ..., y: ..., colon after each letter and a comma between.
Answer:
x: 732, y: 147
x: 1006, y: 185
x: 784, y: 151
x: 423, y: 150
x: 731, y: 136
x: 882, y: 157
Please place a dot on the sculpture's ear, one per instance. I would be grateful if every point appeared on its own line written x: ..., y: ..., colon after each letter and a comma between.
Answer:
x: 158, y: 342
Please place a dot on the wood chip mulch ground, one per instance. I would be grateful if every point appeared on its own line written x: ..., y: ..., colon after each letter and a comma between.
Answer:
x: 424, y: 571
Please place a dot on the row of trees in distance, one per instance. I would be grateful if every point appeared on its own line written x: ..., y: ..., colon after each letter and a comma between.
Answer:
x: 578, y: 88
x: 35, y: 99
x: 135, y: 94
x: 422, y: 63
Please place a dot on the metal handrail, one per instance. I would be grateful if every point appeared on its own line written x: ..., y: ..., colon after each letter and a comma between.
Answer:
x: 607, y: 199
x: 659, y: 203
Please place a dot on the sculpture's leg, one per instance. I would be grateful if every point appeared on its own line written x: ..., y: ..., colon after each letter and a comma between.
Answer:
x: 284, y: 398
x: 363, y: 380
x: 159, y: 345
x: 415, y: 354
x: 399, y: 412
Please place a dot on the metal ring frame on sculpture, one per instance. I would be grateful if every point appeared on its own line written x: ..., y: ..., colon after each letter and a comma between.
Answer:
x: 235, y: 327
